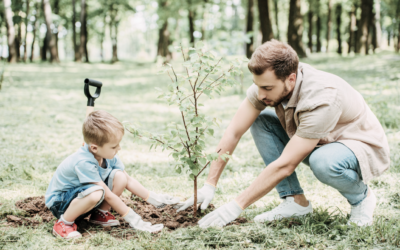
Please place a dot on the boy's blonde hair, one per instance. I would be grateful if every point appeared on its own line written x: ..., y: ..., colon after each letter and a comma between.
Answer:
x: 100, y: 126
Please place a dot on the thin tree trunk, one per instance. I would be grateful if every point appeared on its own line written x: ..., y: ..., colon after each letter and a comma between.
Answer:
x: 295, y: 29
x: 276, y: 19
x: 310, y: 29
x: 83, y: 36
x: 56, y: 11
x: 12, y: 53
x: 26, y: 31
x: 329, y: 25
x: 378, y: 28
x: 363, y: 31
x: 163, y: 42
x: 195, y: 198
x: 265, y: 21
x: 191, y: 26
x: 103, y: 34
x: 319, y: 44
x: 50, y: 37
x: 249, y: 27
x: 352, y: 28
x: 338, y: 13
x: 204, y: 22
x: 398, y: 37
x: 389, y: 36
x: 77, y: 55
x: 18, y: 41
x: 113, y: 33
x: 34, y: 28
x: 1, y: 35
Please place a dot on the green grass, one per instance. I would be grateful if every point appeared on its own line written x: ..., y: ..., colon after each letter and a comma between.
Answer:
x: 42, y: 108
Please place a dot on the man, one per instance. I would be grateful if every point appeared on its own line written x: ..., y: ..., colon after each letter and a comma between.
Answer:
x: 319, y: 119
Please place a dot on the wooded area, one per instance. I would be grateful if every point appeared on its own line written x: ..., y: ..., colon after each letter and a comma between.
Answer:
x: 311, y: 26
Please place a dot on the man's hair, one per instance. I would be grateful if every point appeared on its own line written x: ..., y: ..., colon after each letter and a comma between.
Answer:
x: 99, y: 127
x: 276, y: 56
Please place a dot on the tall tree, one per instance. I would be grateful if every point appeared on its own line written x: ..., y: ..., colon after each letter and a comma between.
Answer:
x: 191, y: 17
x: 338, y: 13
x: 164, y: 42
x: 26, y: 30
x: 12, y: 53
x: 49, y: 37
x: 378, y: 29
x: 363, y: 29
x: 398, y: 31
x: 329, y: 25
x: 84, y: 33
x: 310, y: 26
x: 249, y: 27
x: 319, y: 28
x: 265, y: 21
x: 352, y: 28
x: 34, y: 29
x: 114, y: 31
x: 77, y: 55
x: 276, y: 12
x: 295, y: 29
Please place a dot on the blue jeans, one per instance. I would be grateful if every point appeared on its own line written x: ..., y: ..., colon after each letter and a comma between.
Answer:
x: 333, y: 164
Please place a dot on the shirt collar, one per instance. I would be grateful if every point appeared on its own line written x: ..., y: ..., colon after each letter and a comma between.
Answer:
x: 292, y: 103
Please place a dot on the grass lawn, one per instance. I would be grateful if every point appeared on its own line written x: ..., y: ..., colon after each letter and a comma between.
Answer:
x: 42, y: 108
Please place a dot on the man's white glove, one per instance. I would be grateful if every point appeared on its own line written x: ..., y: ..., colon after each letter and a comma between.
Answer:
x: 221, y: 216
x: 204, y: 195
x: 136, y: 222
x: 160, y: 200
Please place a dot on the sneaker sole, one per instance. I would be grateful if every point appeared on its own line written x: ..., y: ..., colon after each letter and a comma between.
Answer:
x: 106, y: 224
x: 57, y: 235
x: 280, y: 217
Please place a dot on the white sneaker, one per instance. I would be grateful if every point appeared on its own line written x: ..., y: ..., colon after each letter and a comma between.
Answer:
x: 362, y: 214
x: 288, y: 208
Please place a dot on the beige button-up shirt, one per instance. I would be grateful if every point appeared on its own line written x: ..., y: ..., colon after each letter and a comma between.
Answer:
x: 324, y: 106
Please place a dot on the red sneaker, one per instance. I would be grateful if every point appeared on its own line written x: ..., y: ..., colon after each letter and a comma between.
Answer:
x: 66, y: 231
x: 104, y: 219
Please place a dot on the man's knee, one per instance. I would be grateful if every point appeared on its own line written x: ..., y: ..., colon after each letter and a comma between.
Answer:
x: 265, y: 117
x: 95, y: 196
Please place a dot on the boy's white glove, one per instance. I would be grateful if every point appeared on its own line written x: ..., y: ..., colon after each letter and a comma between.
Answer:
x: 136, y: 222
x: 160, y: 200
x: 221, y: 216
x: 204, y: 195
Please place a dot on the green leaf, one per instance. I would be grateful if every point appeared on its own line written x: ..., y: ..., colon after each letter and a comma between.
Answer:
x: 203, y: 161
x: 178, y: 170
x: 211, y: 131
x: 191, y: 176
x: 199, y: 45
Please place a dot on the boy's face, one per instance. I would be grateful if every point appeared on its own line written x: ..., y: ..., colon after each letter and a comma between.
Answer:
x: 109, y: 149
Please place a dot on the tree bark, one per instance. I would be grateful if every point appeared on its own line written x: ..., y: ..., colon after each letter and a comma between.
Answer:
x: 276, y: 19
x: 338, y: 13
x: 329, y: 25
x: 49, y: 37
x: 363, y: 30
x: 77, y: 55
x: 26, y: 31
x: 352, y: 28
x: 378, y: 28
x: 163, y: 42
x: 113, y: 33
x: 310, y: 29
x: 56, y: 11
x: 265, y: 21
x: 204, y: 22
x: 83, y: 36
x: 12, y: 53
x: 318, y: 23
x: 103, y: 34
x: 398, y: 37
x: 249, y: 27
x: 34, y: 28
x: 295, y: 29
x: 191, y: 26
x: 18, y: 41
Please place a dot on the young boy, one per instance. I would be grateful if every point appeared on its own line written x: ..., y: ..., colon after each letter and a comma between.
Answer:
x: 91, y: 180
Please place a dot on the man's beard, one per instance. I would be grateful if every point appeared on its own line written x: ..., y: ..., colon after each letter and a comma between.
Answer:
x: 284, y: 96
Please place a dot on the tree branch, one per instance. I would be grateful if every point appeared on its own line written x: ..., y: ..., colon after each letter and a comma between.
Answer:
x: 201, y: 92
x: 209, y: 72
x: 154, y: 139
x: 206, y: 165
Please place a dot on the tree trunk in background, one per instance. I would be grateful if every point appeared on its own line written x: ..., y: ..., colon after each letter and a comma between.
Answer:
x: 319, y: 45
x: 26, y: 31
x: 363, y: 29
x: 103, y: 34
x: 56, y: 10
x: 276, y: 19
x: 397, y: 46
x: 191, y: 26
x: 1, y: 35
x: 34, y: 28
x: 338, y: 13
x: 249, y: 27
x: 352, y: 28
x: 163, y: 42
x: 265, y: 21
x: 329, y: 25
x: 310, y: 29
x: 12, y: 53
x: 83, y: 36
x: 77, y: 55
x: 114, y: 41
x: 295, y: 29
x: 398, y: 37
x: 49, y: 37
x: 18, y: 41
x: 389, y: 36
x: 378, y: 28
x: 204, y: 22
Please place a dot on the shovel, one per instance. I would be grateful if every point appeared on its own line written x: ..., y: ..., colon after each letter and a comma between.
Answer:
x: 91, y: 99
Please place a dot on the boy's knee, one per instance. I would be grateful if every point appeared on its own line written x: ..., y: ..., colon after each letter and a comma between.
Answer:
x: 120, y: 178
x: 96, y: 196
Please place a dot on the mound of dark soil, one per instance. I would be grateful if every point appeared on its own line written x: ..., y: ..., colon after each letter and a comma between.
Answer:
x: 37, y: 213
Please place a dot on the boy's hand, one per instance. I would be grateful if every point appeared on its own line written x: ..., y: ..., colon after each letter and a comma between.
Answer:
x: 161, y: 200
x: 136, y: 222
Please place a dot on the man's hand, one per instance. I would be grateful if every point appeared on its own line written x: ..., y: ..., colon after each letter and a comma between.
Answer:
x: 136, y: 222
x: 222, y: 216
x: 204, y: 195
x: 161, y: 200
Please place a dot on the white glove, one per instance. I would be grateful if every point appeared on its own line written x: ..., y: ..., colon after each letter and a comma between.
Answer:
x: 160, y: 200
x: 136, y: 222
x: 204, y: 195
x: 221, y: 216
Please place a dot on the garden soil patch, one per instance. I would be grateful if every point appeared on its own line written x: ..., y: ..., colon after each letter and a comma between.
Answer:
x: 37, y: 213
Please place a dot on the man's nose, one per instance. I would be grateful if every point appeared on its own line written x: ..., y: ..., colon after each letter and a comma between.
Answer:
x: 261, y: 94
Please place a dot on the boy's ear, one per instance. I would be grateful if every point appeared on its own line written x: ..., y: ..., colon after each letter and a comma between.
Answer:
x: 93, y: 148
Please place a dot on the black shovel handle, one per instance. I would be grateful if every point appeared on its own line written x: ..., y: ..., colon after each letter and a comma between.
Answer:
x: 94, y: 83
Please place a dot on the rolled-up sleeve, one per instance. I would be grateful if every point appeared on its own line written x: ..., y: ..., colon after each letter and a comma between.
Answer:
x: 252, y: 96
x: 87, y: 172
x: 319, y: 122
